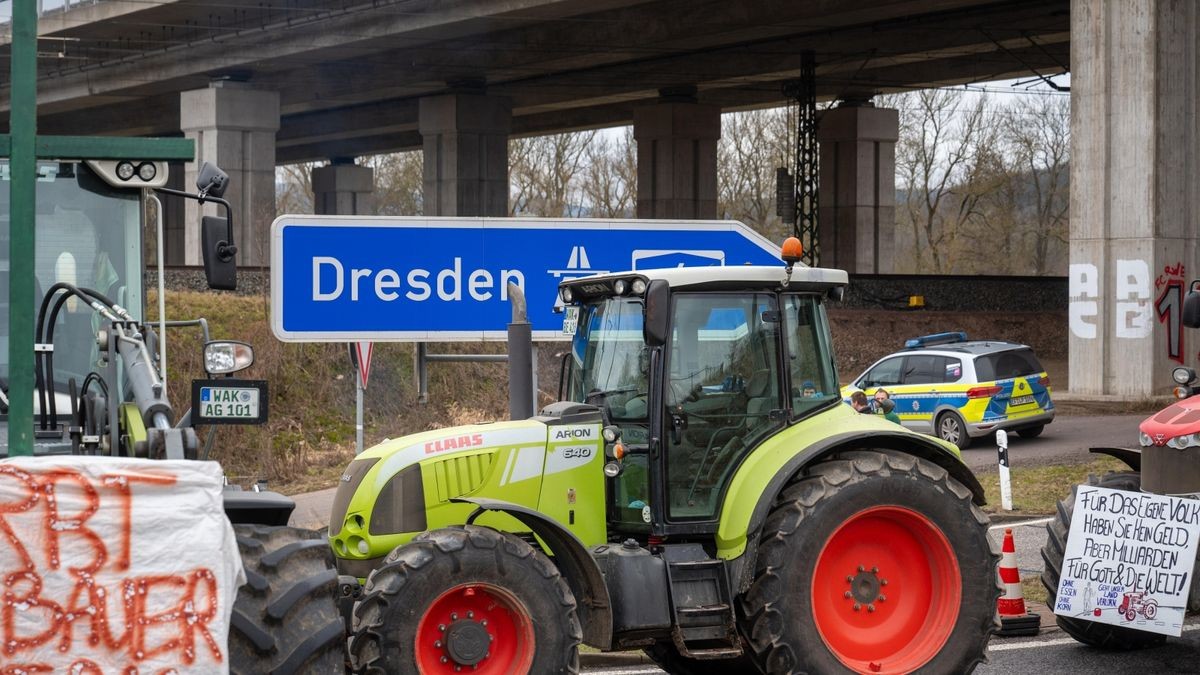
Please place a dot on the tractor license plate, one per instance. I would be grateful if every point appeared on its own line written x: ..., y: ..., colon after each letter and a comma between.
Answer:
x: 229, y: 401
x: 570, y: 320
x: 1021, y: 400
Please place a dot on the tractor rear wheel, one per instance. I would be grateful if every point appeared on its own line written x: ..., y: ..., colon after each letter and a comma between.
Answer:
x: 466, y: 599
x: 1103, y: 635
x: 286, y: 618
x: 873, y: 561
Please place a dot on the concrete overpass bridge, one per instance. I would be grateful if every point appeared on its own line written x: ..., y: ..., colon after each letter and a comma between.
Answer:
x: 265, y: 83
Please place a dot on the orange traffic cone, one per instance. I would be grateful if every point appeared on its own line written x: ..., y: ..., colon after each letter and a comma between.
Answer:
x: 1015, y: 620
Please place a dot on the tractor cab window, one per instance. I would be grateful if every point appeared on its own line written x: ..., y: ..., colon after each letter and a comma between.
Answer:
x: 609, y: 367
x: 87, y: 234
x: 722, y: 388
x: 810, y: 354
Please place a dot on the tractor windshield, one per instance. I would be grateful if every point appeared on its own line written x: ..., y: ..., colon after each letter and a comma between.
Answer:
x: 610, y: 362
x: 87, y: 234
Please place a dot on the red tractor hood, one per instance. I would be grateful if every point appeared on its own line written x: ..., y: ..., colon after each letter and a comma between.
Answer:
x: 1178, y: 419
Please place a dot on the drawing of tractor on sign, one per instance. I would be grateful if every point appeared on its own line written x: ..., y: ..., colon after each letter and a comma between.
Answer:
x: 1133, y: 604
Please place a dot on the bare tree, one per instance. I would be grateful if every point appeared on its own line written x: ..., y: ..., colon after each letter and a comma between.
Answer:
x: 293, y: 188
x: 753, y: 144
x: 609, y: 183
x: 1039, y: 133
x: 399, y: 187
x: 544, y: 173
x: 945, y: 158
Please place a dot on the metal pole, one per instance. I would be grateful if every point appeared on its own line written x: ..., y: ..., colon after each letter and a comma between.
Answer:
x: 520, y: 359
x: 419, y: 367
x: 358, y: 409
x: 22, y: 196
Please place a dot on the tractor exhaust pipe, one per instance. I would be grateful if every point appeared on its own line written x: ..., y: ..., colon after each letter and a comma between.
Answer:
x: 520, y: 358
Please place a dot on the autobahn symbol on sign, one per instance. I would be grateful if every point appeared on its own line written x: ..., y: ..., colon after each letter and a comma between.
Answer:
x: 352, y: 278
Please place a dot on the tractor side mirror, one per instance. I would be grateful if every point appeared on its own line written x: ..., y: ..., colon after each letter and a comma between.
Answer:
x: 658, y: 313
x: 211, y: 181
x: 219, y: 267
x: 1191, y: 306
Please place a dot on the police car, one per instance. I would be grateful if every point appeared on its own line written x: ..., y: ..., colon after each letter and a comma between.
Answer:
x: 956, y: 389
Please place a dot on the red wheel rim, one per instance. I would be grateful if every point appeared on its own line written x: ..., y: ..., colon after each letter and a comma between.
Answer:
x: 476, y: 628
x: 886, y: 591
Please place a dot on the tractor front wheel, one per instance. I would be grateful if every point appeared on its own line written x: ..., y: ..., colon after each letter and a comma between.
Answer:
x: 873, y: 562
x: 466, y: 599
x: 286, y: 618
x: 1103, y: 635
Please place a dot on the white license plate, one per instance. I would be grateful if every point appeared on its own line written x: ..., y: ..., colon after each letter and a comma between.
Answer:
x: 570, y: 320
x: 1021, y: 400
x: 232, y: 403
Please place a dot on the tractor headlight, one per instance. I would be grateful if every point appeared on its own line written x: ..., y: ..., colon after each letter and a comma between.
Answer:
x: 611, y: 434
x: 1144, y: 440
x: 620, y: 286
x: 1183, y: 375
x: 567, y: 294
x: 1184, y: 441
x: 612, y: 469
x: 639, y: 286
x: 223, y: 358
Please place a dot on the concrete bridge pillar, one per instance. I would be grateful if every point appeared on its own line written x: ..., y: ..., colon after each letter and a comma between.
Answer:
x: 343, y: 188
x: 465, y: 139
x: 234, y: 127
x: 677, y: 158
x: 1135, y: 193
x: 857, y: 195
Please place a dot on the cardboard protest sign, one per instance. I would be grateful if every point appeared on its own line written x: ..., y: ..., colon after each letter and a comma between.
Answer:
x: 114, y: 566
x: 1129, y: 559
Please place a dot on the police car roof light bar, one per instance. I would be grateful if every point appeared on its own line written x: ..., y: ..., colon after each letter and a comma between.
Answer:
x: 935, y: 339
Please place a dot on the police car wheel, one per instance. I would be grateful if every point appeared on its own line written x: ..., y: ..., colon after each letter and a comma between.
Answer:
x: 950, y: 427
x: 1102, y: 635
x: 1031, y: 432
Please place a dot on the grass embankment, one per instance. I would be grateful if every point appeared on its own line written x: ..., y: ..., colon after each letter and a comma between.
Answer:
x: 310, y: 436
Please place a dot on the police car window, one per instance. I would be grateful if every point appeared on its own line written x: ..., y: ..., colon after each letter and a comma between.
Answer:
x: 1007, y: 365
x: 922, y: 369
x: 887, y: 372
x: 951, y: 369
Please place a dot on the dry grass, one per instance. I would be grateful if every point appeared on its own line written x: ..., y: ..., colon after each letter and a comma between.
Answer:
x: 1036, y: 490
x: 310, y: 435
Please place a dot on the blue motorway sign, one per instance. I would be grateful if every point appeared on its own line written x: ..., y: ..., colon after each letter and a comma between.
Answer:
x: 347, y: 278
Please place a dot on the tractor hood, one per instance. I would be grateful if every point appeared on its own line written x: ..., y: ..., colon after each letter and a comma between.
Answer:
x: 1176, y: 421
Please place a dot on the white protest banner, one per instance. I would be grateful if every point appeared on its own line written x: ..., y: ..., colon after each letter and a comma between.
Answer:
x: 114, y: 566
x: 1129, y: 559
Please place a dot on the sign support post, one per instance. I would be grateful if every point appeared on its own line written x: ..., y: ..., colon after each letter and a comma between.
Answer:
x: 358, y: 410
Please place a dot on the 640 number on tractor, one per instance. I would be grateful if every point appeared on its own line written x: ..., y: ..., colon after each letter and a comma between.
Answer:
x: 684, y: 497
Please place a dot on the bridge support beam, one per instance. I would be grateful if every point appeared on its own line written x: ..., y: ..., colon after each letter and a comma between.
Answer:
x: 465, y: 139
x: 677, y: 158
x: 1135, y: 193
x: 344, y: 189
x: 234, y: 127
x: 857, y: 194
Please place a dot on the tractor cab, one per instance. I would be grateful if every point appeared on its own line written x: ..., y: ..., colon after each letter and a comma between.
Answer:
x: 692, y: 369
x: 99, y: 374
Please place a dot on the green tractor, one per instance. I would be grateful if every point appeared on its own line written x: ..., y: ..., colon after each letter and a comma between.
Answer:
x: 700, y: 492
x: 101, y: 386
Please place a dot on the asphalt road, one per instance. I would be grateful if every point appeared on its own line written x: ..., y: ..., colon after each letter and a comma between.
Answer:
x: 1067, y: 439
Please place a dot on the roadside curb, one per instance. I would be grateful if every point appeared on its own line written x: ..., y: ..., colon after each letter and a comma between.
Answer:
x: 1008, y: 518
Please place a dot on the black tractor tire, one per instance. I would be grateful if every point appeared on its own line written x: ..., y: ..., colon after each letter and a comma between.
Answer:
x: 950, y: 427
x: 667, y: 656
x: 1102, y: 635
x: 286, y: 619
x: 1032, y: 432
x: 445, y: 572
x: 849, y: 531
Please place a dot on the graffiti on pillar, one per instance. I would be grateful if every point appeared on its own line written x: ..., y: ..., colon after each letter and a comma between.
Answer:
x: 1169, y: 307
x: 1131, y: 311
x: 1084, y: 291
x: 1133, y: 299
